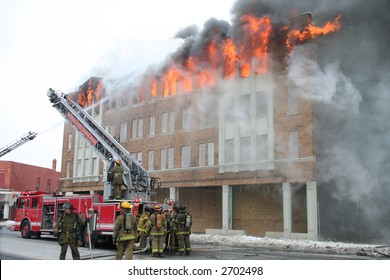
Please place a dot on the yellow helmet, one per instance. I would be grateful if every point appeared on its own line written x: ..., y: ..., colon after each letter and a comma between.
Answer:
x: 126, y: 205
x: 118, y: 161
x: 157, y: 208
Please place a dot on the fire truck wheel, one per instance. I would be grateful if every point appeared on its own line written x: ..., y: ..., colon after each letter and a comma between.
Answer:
x: 26, y: 230
x: 87, y: 238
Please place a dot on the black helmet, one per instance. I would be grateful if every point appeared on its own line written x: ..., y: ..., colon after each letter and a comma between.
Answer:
x: 147, y: 209
x: 183, y: 206
x: 176, y: 207
x: 68, y: 205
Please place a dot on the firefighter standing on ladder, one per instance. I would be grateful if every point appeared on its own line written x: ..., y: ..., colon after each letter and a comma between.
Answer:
x: 67, y: 228
x: 116, y: 177
x: 125, y: 232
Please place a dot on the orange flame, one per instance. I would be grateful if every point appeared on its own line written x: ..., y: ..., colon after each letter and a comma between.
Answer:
x: 311, y: 31
x: 257, y: 33
x: 229, y: 55
x: 225, y: 56
x: 90, y: 93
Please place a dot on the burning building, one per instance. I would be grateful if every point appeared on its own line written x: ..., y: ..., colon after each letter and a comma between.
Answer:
x: 227, y: 122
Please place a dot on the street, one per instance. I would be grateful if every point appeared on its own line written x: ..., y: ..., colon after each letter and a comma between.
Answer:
x: 12, y: 247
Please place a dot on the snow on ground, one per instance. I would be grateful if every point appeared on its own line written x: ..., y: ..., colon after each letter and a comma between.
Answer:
x: 286, y: 244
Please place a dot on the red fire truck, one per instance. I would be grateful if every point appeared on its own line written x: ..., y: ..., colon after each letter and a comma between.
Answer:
x: 37, y: 212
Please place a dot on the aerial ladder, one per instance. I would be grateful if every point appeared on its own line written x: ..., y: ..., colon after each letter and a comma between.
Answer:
x: 12, y: 146
x: 138, y: 183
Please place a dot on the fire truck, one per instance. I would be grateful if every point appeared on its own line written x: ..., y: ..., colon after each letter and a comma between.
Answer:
x: 37, y: 212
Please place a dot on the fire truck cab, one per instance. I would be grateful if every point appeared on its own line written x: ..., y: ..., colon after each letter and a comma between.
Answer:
x: 37, y: 212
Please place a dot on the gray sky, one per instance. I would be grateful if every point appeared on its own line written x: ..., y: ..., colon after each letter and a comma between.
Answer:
x: 58, y: 44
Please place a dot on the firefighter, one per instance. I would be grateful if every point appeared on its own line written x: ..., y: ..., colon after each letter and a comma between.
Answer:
x: 125, y: 232
x: 67, y: 229
x: 116, y: 177
x: 170, y: 238
x: 155, y: 228
x: 142, y: 228
x: 183, y: 231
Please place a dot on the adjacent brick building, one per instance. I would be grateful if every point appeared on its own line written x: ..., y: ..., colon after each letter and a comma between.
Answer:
x: 18, y: 177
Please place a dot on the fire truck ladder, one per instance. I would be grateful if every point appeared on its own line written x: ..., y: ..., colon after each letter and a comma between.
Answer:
x: 136, y: 178
x: 12, y: 146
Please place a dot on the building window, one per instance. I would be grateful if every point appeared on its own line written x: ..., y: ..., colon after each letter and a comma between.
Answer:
x: 262, y: 147
x: 138, y: 97
x: 138, y: 127
x: 134, y: 128
x: 168, y: 122
x: 293, y: 144
x: 124, y: 100
x: 123, y: 132
x: 86, y: 167
x: 163, y: 159
x: 152, y: 125
x: 139, y: 157
x: 186, y: 119
x: 112, y: 105
x: 229, y: 110
x: 81, y: 141
x: 171, y: 123
x: 229, y: 151
x: 48, y: 186
x: 261, y: 104
x: 95, y: 167
x: 170, y: 158
x: 68, y: 169
x: 292, y: 102
x: 70, y: 135
x: 245, y: 107
x: 112, y: 130
x: 34, y: 202
x: 38, y: 184
x: 185, y: 156
x: 210, y: 153
x: 202, y: 154
x: 78, y: 167
x: 151, y: 160
x: 164, y: 124
x: 245, y: 155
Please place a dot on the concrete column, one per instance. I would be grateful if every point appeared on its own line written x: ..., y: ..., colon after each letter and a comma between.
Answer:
x: 312, y: 210
x: 173, y: 194
x: 287, y: 210
x: 226, y: 215
x: 6, y: 211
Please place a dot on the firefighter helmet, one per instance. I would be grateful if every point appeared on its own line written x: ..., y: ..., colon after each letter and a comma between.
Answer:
x: 118, y: 161
x: 68, y: 205
x: 126, y: 205
x: 157, y: 208
x: 176, y: 207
